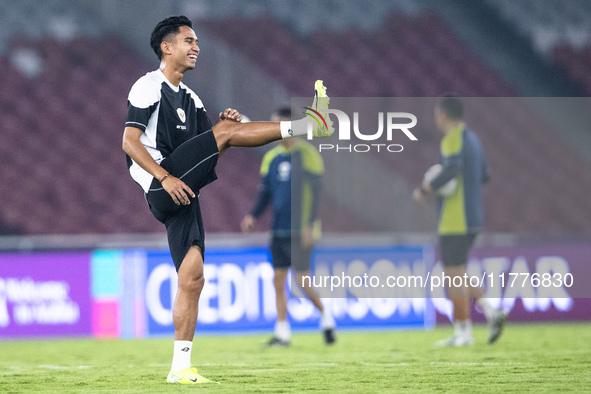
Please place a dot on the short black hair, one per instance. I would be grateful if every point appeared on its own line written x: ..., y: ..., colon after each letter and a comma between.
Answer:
x: 166, y: 27
x: 452, y: 107
x: 283, y: 112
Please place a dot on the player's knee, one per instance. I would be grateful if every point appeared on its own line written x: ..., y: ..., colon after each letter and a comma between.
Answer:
x: 198, y: 283
x: 223, y: 132
x: 194, y: 283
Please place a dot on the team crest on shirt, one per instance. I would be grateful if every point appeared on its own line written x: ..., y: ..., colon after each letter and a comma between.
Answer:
x: 181, y: 114
x: 284, y: 171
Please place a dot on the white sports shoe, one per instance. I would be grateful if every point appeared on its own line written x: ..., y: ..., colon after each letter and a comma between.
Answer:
x: 496, y: 325
x: 455, y: 341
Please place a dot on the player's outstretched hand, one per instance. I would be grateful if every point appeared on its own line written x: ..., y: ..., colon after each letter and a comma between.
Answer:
x: 417, y: 195
x: 421, y: 193
x: 231, y: 114
x: 248, y: 224
x: 178, y: 190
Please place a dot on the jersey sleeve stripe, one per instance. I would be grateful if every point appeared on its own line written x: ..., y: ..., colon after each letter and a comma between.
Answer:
x: 134, y: 124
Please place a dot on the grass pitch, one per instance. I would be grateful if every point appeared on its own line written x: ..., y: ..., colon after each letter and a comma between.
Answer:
x: 533, y: 357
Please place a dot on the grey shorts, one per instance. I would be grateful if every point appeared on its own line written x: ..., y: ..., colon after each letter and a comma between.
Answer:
x: 288, y: 252
x: 454, y: 249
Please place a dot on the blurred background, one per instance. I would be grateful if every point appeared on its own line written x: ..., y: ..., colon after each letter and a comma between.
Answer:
x: 68, y: 65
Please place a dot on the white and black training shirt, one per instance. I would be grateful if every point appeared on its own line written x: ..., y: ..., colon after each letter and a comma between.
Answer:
x: 169, y: 116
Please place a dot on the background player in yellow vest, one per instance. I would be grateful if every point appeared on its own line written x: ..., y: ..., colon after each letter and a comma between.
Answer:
x: 461, y: 216
x: 294, y: 162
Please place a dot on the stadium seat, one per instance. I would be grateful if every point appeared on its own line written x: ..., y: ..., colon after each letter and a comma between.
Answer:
x: 401, y: 51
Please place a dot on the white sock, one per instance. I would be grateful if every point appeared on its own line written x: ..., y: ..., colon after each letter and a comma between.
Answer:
x: 463, y: 328
x: 181, y: 357
x: 295, y: 128
x: 283, y: 330
x: 326, y: 320
x: 486, y: 307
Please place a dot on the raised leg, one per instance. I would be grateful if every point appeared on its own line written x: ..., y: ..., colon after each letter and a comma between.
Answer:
x: 229, y: 133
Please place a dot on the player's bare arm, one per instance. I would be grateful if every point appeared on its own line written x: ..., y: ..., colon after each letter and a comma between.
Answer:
x: 178, y: 190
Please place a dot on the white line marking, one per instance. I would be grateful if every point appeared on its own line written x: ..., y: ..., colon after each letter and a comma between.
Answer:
x: 270, y: 370
x: 211, y: 365
x: 62, y: 367
x: 467, y: 364
x: 384, y: 365
x: 52, y: 367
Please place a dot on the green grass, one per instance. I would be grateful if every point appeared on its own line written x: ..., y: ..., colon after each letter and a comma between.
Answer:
x: 533, y: 357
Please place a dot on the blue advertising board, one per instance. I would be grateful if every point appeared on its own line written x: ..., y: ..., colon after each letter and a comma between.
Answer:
x: 239, y: 296
x: 359, y: 285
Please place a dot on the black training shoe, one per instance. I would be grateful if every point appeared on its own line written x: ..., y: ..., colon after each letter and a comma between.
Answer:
x: 278, y: 342
x: 496, y: 326
x: 330, y: 336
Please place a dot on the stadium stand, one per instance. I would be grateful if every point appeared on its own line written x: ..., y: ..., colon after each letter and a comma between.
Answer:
x: 399, y: 60
x: 560, y: 30
x: 66, y: 124
x: 576, y: 63
x: 62, y: 105
x: 76, y: 180
x: 549, y: 22
x: 307, y: 16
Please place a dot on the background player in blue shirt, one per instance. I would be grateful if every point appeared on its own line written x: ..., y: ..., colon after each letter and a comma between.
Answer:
x: 461, y: 216
x: 291, y: 183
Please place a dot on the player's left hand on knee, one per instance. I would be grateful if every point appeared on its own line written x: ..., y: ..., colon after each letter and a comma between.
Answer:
x: 178, y: 190
x: 231, y: 114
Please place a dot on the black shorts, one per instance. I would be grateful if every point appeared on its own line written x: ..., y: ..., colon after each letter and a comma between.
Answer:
x: 287, y: 250
x: 454, y: 249
x: 194, y: 163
